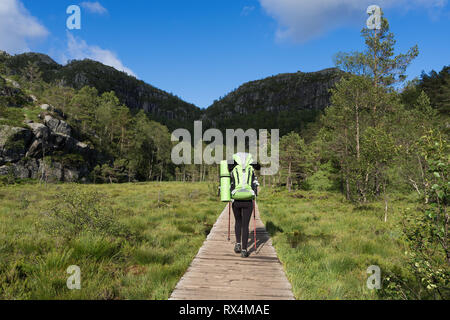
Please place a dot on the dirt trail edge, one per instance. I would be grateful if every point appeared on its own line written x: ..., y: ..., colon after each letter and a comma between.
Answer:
x: 217, y: 273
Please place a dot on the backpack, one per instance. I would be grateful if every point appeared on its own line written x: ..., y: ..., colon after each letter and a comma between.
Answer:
x: 242, y: 174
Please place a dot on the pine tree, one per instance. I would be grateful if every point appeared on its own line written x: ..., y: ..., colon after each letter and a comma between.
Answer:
x: 32, y: 74
x: 378, y: 61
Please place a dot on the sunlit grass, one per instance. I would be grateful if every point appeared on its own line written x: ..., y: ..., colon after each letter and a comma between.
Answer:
x: 171, y: 220
x: 326, y: 244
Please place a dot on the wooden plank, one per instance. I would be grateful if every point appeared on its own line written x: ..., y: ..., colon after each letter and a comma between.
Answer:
x: 217, y: 273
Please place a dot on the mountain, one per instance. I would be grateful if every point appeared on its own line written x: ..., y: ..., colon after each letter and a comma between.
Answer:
x: 136, y: 94
x: 89, y: 136
x: 285, y: 101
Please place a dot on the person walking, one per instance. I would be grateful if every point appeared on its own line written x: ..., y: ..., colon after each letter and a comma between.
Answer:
x: 244, y: 189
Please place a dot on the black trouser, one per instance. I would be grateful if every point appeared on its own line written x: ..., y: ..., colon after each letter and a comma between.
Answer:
x: 242, y: 214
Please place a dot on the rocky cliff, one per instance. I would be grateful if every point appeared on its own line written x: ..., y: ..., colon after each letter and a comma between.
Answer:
x: 285, y: 101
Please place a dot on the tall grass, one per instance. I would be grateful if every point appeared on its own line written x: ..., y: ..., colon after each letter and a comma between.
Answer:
x: 326, y: 244
x: 135, y: 242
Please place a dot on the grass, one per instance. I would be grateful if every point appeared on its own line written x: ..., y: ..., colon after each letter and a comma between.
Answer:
x: 169, y: 220
x: 326, y: 244
x: 15, y: 116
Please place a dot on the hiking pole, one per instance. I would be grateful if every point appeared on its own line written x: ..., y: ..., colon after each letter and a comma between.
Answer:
x: 229, y: 213
x: 254, y: 219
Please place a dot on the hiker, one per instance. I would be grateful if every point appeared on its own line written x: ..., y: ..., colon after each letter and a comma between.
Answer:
x: 244, y: 189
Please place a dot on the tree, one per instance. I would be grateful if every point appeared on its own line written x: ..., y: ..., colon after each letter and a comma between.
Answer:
x: 437, y: 87
x: 413, y: 122
x: 292, y: 148
x: 363, y: 111
x: 149, y: 151
x: 111, y: 123
x: 60, y: 96
x: 3, y: 70
x: 344, y: 122
x: 82, y: 108
x: 378, y: 61
x: 426, y: 230
x: 32, y: 74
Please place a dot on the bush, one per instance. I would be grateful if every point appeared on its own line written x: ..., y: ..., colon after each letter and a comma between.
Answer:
x: 80, y: 211
x: 322, y: 179
x: 426, y: 230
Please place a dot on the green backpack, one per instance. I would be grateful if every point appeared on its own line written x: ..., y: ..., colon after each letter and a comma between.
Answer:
x: 242, y: 174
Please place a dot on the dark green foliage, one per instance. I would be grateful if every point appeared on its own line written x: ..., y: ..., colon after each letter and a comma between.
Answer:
x: 70, y: 160
x: 294, y: 167
x: 286, y: 101
x: 11, y: 96
x: 18, y: 65
x: 435, y: 85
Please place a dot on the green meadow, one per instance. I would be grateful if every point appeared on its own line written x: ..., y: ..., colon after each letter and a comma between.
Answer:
x: 326, y: 243
x: 137, y: 244
x: 135, y: 241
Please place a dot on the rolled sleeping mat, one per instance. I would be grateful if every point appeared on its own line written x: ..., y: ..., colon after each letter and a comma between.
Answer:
x: 225, y: 182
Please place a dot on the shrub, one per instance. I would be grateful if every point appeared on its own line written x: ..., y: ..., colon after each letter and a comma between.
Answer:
x: 80, y: 211
x: 426, y: 230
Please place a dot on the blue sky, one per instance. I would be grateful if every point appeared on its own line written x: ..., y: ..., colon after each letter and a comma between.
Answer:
x: 202, y: 49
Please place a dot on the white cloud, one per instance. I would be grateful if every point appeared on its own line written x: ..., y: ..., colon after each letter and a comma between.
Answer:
x: 18, y: 27
x: 94, y: 7
x: 302, y: 20
x: 247, y: 10
x: 78, y: 49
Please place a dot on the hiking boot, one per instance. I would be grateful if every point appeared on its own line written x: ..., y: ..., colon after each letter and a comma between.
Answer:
x: 244, y: 253
x: 237, y: 248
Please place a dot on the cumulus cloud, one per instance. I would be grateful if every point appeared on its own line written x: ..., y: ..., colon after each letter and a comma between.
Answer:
x: 78, y: 49
x: 18, y: 27
x: 94, y: 7
x: 302, y: 20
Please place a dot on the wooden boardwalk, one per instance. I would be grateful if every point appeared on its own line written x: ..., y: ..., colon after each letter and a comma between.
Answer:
x: 217, y: 273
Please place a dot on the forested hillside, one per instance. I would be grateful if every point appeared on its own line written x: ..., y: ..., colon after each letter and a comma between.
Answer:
x: 117, y: 127
x: 285, y: 101
x: 135, y: 94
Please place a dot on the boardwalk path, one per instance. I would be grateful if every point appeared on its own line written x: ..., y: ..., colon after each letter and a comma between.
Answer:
x: 217, y: 273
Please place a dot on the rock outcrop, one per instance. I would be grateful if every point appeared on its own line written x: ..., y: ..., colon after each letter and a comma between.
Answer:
x: 44, y: 151
x: 13, y: 143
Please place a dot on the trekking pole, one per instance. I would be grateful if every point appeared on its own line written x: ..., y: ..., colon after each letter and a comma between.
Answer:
x: 229, y: 213
x: 254, y: 219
